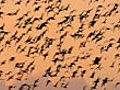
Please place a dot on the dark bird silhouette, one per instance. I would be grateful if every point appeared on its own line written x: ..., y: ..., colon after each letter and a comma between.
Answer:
x: 4, y: 32
x: 62, y: 36
x: 3, y: 62
x: 92, y: 23
x: 35, y: 84
x: 35, y: 19
x: 25, y: 86
x: 104, y: 81
x: 11, y: 87
x: 29, y: 39
x: 109, y: 45
x: 37, y: 8
x: 32, y: 68
x: 70, y: 50
x: 19, y: 65
x: 82, y: 44
x: 44, y: 24
x: 64, y: 85
x: 47, y: 71
x: 18, y: 2
x: 74, y: 73
x: 83, y: 72
x: 91, y: 34
x: 92, y: 75
x: 14, y: 35
x: 67, y: 7
x: 113, y: 9
x: 19, y: 38
x: 55, y: 60
x: 30, y: 64
x: 12, y: 58
x: 50, y: 18
x: 55, y: 85
x: 95, y: 83
x: 64, y: 21
x: 29, y: 29
x: 45, y: 55
x: 11, y: 77
x: 27, y: 2
x: 26, y: 14
x: 97, y: 60
x: 20, y: 18
x: 81, y: 16
x: 76, y: 59
x: 8, y: 73
x: 71, y: 64
x: 13, y: 13
x: 22, y: 49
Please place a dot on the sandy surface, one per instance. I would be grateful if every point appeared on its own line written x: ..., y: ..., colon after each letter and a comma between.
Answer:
x: 59, y: 44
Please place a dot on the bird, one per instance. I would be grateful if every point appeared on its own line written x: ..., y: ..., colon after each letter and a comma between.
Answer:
x: 12, y: 58
x: 62, y: 36
x: 3, y: 62
x: 97, y: 60
x: 24, y: 86
x: 13, y: 13
x: 64, y: 21
x: 70, y: 50
x: 51, y: 18
x: 55, y: 85
x: 35, y: 84
x: 11, y: 77
x: 71, y: 64
x: 66, y: 8
x: 95, y: 83
x: 92, y: 23
x: 11, y: 87
x: 28, y: 1
x: 104, y: 81
x: 64, y: 85
x: 39, y: 27
x: 19, y: 65
x: 82, y: 73
x: 4, y: 32
x: 22, y: 49
x: 30, y: 64
x: 37, y: 8
x: 18, y: 2
x: 45, y: 55
x: 14, y: 35
x: 74, y: 73
x: 92, y: 75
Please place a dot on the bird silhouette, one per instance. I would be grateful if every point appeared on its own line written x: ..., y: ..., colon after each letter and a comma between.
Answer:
x: 25, y: 86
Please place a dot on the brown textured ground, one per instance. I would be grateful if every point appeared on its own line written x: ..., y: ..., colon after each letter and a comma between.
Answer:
x: 59, y: 44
